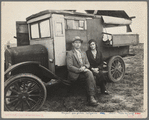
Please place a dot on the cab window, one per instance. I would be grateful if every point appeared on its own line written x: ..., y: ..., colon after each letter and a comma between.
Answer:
x: 35, y: 30
x: 59, y: 29
x: 76, y: 24
x: 45, y: 28
x: 40, y: 29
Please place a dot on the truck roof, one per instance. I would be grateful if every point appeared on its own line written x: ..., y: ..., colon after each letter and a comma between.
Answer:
x: 64, y: 12
x: 89, y: 13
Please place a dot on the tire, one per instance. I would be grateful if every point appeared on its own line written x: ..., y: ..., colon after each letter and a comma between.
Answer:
x: 24, y: 92
x: 116, y: 69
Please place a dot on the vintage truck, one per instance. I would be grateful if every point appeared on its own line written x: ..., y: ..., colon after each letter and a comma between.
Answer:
x: 39, y: 60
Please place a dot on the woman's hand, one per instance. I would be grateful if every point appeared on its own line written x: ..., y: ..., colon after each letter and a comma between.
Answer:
x: 96, y: 70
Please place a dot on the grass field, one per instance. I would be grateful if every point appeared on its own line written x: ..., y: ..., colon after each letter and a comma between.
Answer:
x: 125, y: 96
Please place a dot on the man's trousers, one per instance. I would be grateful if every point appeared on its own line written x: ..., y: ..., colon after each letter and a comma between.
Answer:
x: 90, y: 82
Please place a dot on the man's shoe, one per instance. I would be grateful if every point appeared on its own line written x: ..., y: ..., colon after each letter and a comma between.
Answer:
x: 92, y: 101
x: 105, y: 92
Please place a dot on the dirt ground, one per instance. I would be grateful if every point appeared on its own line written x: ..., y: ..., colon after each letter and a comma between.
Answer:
x: 125, y: 96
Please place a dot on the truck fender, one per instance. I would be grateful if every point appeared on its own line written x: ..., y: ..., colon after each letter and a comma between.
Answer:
x: 43, y: 71
x: 15, y: 66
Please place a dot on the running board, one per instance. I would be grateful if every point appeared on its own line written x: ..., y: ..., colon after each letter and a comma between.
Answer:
x: 52, y: 82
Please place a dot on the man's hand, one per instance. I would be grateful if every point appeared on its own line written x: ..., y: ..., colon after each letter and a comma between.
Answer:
x: 82, y: 68
x: 86, y: 70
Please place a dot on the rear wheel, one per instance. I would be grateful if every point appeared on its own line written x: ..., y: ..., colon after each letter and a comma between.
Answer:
x: 24, y: 92
x: 116, y: 68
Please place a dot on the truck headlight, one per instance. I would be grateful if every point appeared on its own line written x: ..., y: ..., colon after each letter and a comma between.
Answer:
x: 107, y: 37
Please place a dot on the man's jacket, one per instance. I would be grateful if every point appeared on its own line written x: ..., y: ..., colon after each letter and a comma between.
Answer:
x: 73, y: 64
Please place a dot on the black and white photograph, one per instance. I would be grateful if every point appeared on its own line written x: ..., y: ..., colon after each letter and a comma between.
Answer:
x: 74, y: 59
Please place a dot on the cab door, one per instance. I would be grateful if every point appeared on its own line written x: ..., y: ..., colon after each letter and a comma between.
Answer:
x: 59, y: 40
x: 22, y: 33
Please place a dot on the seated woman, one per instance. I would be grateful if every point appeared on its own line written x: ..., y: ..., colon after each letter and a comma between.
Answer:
x: 96, y: 64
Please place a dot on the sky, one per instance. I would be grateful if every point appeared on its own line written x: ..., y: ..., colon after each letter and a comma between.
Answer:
x: 19, y: 11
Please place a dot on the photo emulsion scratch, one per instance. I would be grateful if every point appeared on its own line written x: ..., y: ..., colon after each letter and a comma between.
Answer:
x: 74, y: 62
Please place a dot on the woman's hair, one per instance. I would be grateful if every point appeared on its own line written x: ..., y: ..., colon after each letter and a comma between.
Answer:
x: 90, y: 41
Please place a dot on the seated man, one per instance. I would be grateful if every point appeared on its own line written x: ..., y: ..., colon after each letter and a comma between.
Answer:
x: 77, y: 64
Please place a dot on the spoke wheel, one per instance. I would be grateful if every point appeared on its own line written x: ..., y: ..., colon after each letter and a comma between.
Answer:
x: 116, y: 69
x: 24, y: 92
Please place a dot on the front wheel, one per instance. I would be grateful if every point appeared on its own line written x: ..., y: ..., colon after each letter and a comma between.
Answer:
x: 24, y: 92
x: 116, y: 68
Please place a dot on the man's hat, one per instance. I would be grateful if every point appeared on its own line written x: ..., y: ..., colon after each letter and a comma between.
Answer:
x: 77, y: 38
